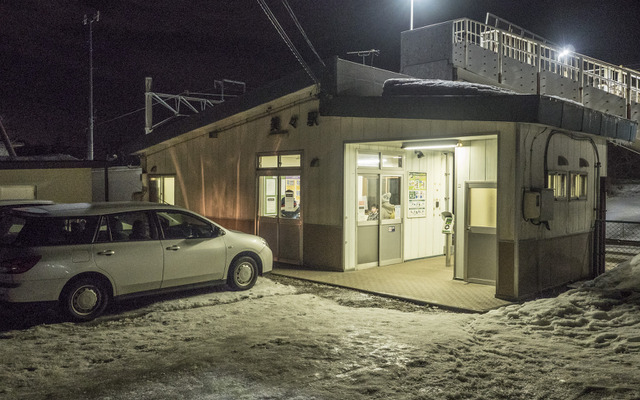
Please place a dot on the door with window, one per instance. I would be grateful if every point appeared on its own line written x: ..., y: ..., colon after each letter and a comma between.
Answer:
x: 279, y: 205
x: 379, y: 232
x: 480, y: 230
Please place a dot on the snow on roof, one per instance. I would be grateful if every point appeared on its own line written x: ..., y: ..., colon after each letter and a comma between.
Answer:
x: 438, y: 87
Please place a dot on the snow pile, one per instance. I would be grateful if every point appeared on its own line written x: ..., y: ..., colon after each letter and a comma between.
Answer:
x: 625, y: 190
x: 604, y: 312
x: 438, y: 87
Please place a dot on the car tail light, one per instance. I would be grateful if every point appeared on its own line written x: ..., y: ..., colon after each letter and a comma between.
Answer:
x: 19, y: 265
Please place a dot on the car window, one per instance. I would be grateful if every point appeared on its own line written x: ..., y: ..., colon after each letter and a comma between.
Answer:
x: 126, y: 227
x: 35, y: 231
x: 10, y: 226
x: 177, y: 225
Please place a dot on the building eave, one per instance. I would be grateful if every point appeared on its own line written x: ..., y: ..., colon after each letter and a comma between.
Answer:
x: 544, y: 110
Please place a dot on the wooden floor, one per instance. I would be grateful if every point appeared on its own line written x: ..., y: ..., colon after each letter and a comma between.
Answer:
x: 425, y: 281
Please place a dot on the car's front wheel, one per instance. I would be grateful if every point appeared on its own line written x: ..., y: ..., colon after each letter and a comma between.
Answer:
x: 243, y: 273
x: 84, y: 299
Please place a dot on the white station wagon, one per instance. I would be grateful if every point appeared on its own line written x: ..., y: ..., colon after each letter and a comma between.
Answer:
x: 84, y: 255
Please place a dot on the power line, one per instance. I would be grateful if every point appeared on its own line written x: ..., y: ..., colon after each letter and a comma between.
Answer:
x: 287, y: 40
x: 304, y: 34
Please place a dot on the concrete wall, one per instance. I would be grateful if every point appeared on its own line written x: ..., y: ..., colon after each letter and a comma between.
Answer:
x: 61, y: 185
x: 355, y: 79
x: 427, y: 52
x: 123, y: 183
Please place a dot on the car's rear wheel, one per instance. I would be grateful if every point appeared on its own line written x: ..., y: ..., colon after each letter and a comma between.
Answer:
x: 243, y: 273
x: 84, y: 299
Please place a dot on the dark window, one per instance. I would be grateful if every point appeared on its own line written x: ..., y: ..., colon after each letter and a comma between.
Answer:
x: 126, y: 227
x: 177, y: 225
x: 51, y: 231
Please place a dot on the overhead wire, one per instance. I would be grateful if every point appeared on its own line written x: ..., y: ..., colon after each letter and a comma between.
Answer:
x: 302, y: 32
x: 287, y: 40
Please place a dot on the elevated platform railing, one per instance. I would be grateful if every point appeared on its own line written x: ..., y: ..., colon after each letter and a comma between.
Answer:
x: 533, y: 50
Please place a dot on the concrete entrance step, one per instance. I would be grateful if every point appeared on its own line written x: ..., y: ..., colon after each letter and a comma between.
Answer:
x: 425, y: 281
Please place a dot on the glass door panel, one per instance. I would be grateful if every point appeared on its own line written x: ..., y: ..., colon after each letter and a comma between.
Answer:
x: 391, y: 198
x: 368, y: 204
x: 368, y: 201
x: 268, y: 196
x: 391, y: 219
x: 290, y: 197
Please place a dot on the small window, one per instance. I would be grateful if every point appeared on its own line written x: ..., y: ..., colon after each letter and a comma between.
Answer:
x: 578, y: 186
x: 268, y: 162
x: 558, y: 182
x: 368, y: 160
x: 162, y: 189
x: 391, y: 161
x: 279, y: 161
x: 290, y: 160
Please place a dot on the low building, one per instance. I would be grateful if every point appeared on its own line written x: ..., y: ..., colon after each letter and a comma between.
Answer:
x: 368, y: 167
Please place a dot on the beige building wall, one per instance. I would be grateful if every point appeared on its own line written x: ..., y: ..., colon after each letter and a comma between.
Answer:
x: 532, y: 257
x: 62, y: 185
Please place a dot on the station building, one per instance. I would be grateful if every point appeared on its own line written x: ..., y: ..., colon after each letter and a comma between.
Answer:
x: 484, y: 150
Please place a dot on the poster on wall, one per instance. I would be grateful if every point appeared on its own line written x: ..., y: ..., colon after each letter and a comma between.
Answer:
x: 417, y: 195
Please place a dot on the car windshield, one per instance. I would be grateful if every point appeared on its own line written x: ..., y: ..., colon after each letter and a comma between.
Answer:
x: 19, y: 231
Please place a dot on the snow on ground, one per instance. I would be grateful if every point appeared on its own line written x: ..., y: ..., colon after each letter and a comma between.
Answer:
x: 287, y: 339
x: 624, y: 204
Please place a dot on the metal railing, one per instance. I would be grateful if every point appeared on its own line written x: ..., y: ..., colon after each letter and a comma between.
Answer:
x: 622, y: 241
x: 546, y: 56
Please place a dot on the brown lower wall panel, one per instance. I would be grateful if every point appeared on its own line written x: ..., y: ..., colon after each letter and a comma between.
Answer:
x: 550, y: 263
x: 321, y: 244
x: 322, y: 247
x: 505, y: 286
x: 242, y: 225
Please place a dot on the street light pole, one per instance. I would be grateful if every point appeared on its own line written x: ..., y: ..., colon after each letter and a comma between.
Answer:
x: 411, y: 23
x: 86, y: 20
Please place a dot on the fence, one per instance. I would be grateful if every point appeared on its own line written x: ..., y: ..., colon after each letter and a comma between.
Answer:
x: 622, y: 241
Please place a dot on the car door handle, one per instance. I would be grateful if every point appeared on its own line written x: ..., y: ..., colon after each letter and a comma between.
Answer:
x: 173, y: 248
x: 106, y: 252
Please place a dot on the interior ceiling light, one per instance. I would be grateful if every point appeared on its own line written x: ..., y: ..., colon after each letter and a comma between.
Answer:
x: 432, y: 144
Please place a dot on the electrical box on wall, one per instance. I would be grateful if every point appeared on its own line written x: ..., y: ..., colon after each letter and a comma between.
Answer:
x: 538, y: 205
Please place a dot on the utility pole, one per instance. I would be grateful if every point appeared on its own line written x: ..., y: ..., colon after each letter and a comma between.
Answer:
x: 90, y: 21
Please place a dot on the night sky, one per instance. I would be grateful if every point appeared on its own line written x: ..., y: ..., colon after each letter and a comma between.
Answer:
x: 186, y: 45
